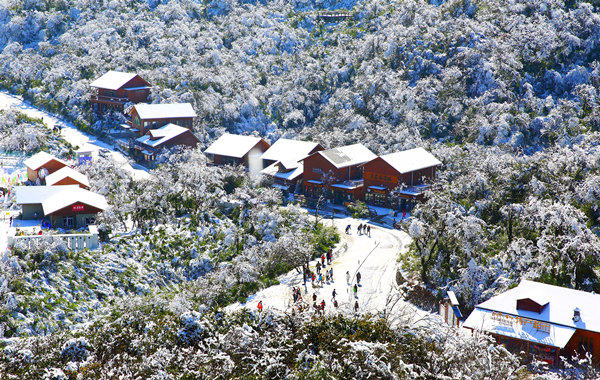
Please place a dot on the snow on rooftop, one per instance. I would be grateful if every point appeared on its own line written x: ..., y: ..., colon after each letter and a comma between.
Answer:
x: 548, y: 334
x: 411, y: 160
x: 113, y: 80
x: 164, y: 111
x: 232, y: 145
x: 162, y: 135
x: 289, y: 150
x: 65, y: 172
x: 348, y: 155
x: 291, y: 175
x: 54, y: 198
x: 562, y: 302
x: 38, y: 160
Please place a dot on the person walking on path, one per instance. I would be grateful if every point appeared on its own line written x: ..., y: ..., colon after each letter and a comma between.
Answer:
x: 333, y: 294
x: 356, y: 306
x: 322, y: 306
x: 348, y: 229
x: 260, y: 306
x: 329, y: 254
x: 322, y: 260
x: 369, y: 230
x: 331, y: 274
x: 358, y: 277
x: 355, y: 289
x: 318, y: 267
x: 348, y: 277
x: 359, y: 229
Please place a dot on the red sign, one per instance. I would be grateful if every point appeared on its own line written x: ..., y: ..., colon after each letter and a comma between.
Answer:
x: 77, y: 207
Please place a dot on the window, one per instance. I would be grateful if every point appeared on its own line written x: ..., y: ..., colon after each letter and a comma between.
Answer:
x: 89, y: 221
x: 136, y: 121
x: 586, y: 344
x: 317, y: 170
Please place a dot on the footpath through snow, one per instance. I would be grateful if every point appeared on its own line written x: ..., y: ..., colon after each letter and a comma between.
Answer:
x: 70, y: 133
x: 375, y: 257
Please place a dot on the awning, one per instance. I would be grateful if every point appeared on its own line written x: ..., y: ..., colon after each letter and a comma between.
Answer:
x: 125, y: 126
x: 541, y: 332
x: 378, y: 189
x: 314, y: 182
x: 279, y: 186
x: 147, y: 153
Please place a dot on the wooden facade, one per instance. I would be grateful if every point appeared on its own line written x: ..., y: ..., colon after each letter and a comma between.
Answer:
x: 341, y: 185
x: 70, y: 181
x: 381, y: 180
x: 51, y: 165
x: 148, y: 151
x: 144, y: 125
x: 136, y: 90
x: 258, y: 149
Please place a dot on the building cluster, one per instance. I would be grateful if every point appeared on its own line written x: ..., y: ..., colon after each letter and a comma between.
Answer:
x: 341, y: 175
x: 61, y: 196
x: 157, y: 126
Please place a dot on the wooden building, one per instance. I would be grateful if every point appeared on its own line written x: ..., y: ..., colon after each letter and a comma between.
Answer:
x: 283, y: 162
x: 114, y: 89
x: 68, y: 176
x: 41, y: 164
x: 545, y: 321
x: 238, y: 150
x: 168, y: 136
x: 398, y: 179
x: 337, y: 172
x: 153, y: 116
x: 450, y: 311
x: 69, y: 207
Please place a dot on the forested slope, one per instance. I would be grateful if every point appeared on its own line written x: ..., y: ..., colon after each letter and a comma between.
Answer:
x: 505, y: 93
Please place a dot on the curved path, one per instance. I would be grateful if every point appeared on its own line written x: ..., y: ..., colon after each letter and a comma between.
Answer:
x: 375, y: 257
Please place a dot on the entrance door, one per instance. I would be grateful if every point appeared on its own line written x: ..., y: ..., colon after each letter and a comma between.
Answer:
x: 68, y: 222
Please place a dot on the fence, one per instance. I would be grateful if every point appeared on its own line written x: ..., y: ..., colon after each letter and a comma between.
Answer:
x: 74, y: 242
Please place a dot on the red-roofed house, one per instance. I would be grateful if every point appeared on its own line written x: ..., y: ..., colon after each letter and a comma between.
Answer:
x: 409, y: 168
x: 114, y: 89
x: 68, y: 176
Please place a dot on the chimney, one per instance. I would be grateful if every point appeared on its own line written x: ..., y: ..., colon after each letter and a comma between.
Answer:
x: 576, y: 315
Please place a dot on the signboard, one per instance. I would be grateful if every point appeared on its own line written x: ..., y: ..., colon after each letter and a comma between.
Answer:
x: 508, y: 320
x: 77, y: 207
x: 381, y: 177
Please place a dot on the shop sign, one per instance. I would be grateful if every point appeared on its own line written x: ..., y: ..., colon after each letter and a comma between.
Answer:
x: 77, y: 207
x: 381, y: 177
x: 508, y: 320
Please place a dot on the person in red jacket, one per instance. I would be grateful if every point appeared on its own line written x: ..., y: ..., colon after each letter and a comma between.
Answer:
x: 259, y: 306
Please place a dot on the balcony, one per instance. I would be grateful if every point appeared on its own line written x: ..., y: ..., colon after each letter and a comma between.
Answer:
x: 109, y: 99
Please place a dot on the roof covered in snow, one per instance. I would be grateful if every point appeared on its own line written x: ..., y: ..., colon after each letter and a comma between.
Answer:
x: 54, y: 198
x: 411, y: 160
x: 113, y: 80
x: 549, y: 334
x: 65, y: 172
x: 38, y: 160
x: 232, y: 145
x: 164, y: 111
x: 289, y: 150
x: 159, y: 136
x: 559, y: 310
x: 348, y: 155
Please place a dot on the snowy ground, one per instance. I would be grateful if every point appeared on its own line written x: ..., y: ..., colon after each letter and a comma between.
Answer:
x: 70, y: 132
x: 375, y: 257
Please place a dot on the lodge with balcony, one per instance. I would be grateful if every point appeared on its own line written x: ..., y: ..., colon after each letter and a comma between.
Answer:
x: 115, y: 89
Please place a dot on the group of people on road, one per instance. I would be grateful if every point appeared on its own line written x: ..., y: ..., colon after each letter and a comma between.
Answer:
x: 362, y: 229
